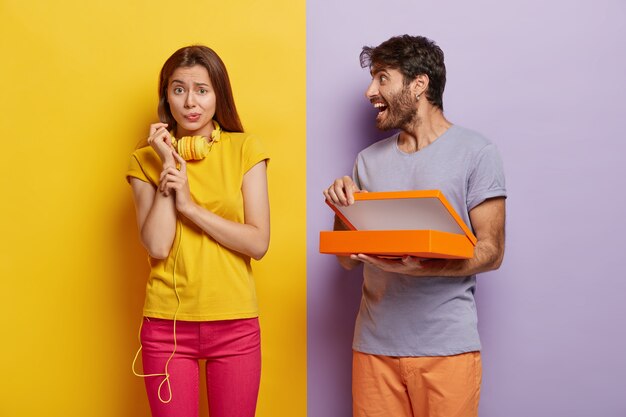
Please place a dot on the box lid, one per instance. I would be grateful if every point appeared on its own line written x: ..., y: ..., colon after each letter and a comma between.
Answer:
x: 403, y: 210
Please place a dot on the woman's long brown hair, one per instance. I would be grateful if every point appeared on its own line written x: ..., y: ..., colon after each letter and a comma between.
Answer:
x: 225, y: 110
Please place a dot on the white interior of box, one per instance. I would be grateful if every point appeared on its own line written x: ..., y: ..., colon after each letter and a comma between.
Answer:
x: 401, y: 214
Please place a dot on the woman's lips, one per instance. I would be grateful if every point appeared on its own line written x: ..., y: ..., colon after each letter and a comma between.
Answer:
x: 193, y: 117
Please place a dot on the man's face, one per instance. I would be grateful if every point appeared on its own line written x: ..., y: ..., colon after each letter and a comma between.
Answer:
x: 392, y: 98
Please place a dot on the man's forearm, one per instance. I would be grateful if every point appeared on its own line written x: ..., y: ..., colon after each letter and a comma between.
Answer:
x: 487, y: 257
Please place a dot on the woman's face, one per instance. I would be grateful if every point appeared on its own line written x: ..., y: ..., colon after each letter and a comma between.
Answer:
x: 192, y: 101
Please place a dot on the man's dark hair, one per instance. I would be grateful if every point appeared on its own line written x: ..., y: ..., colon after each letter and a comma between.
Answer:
x: 412, y: 56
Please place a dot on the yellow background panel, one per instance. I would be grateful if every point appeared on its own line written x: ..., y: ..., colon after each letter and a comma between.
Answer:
x: 78, y: 82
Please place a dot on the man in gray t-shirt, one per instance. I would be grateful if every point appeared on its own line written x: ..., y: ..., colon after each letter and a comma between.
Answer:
x: 416, y: 345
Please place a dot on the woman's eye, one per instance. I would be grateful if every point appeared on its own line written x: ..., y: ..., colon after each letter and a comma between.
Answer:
x: 203, y: 91
x: 178, y: 90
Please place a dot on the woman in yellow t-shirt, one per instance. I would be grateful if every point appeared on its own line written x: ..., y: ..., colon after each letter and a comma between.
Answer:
x: 201, y: 220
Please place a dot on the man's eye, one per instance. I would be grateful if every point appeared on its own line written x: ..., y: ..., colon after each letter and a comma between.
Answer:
x: 383, y: 78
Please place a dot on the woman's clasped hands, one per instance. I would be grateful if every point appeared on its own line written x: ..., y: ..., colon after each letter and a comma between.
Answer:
x: 175, y: 179
x: 174, y: 174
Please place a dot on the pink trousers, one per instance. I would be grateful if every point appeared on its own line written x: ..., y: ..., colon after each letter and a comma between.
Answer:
x: 232, y: 349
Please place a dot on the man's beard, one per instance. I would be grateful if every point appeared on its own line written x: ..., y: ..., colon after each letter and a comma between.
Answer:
x: 400, y: 113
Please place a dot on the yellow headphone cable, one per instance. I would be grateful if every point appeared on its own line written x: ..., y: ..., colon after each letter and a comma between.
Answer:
x: 165, y: 373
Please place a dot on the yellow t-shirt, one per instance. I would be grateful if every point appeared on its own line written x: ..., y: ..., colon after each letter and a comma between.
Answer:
x: 213, y: 282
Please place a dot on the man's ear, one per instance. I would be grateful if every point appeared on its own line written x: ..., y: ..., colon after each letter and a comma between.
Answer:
x: 419, y: 85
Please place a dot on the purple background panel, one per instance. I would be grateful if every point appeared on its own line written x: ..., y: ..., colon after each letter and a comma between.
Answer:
x: 546, y: 82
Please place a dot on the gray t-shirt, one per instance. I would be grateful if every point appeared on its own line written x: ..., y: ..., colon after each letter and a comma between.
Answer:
x: 401, y: 315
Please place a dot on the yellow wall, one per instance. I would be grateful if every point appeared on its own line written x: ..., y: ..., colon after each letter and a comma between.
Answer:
x: 78, y: 87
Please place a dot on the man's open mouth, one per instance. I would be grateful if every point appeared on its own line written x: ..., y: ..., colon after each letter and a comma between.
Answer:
x: 381, y: 107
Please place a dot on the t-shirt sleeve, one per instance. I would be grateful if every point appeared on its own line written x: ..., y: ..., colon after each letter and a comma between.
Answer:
x: 355, y: 175
x: 486, y: 179
x: 136, y: 169
x: 253, y: 152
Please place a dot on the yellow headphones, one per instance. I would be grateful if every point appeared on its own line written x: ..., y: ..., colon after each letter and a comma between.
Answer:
x: 195, y: 148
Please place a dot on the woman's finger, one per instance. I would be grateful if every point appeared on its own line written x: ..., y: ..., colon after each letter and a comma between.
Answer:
x: 182, y: 162
x: 155, y: 126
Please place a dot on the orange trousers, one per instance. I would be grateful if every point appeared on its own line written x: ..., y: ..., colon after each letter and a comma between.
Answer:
x: 426, y: 386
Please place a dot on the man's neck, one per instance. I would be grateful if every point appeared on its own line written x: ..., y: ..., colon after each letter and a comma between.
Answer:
x: 429, y: 124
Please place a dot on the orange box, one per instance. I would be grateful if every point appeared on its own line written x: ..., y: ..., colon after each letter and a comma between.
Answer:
x: 398, y: 223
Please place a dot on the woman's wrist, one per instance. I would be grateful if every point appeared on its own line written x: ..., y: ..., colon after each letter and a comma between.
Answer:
x: 187, y: 209
x: 169, y: 162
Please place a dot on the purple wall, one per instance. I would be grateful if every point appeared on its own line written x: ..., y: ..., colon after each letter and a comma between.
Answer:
x: 545, y: 82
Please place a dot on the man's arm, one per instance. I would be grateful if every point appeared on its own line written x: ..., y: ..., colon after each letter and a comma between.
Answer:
x: 488, y: 221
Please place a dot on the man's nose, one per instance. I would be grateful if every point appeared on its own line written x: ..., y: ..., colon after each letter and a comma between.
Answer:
x: 372, y: 90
